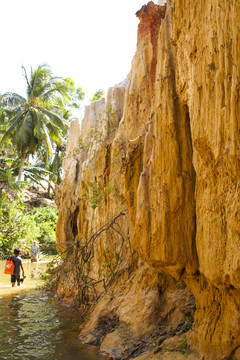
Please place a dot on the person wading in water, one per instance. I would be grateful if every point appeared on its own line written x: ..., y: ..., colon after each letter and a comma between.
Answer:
x: 34, y: 252
x: 17, y: 265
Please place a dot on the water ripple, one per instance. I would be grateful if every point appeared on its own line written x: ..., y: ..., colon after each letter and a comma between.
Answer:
x: 33, y: 327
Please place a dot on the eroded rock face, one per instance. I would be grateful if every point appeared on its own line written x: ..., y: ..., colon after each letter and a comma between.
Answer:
x: 164, y: 154
x: 163, y: 211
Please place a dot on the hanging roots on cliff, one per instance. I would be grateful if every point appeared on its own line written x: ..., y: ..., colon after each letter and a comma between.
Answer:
x: 76, y: 265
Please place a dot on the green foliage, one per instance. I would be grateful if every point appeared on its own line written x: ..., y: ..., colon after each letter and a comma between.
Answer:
x: 110, y: 263
x: 55, y: 165
x: 11, y: 225
x: 183, y: 345
x: 187, y: 324
x: 37, y: 121
x: 99, y: 94
x: 154, y: 343
x: 9, y: 186
x: 76, y: 96
x: 47, y: 275
x: 41, y: 226
x: 113, y: 119
x: 19, y: 228
x: 96, y: 192
x: 182, y: 328
x: 85, y: 142
x: 35, y: 173
x: 96, y: 135
x: 37, y: 124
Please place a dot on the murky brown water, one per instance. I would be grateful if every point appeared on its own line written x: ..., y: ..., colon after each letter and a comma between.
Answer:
x: 33, y: 326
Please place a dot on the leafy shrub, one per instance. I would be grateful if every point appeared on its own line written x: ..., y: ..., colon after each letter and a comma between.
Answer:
x: 19, y: 228
x: 41, y: 226
x: 11, y: 225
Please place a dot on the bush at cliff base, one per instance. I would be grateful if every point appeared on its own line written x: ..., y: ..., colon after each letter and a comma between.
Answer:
x: 19, y: 228
x: 42, y: 228
x: 11, y: 226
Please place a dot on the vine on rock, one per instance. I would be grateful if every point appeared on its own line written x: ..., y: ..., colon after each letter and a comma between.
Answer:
x: 76, y: 265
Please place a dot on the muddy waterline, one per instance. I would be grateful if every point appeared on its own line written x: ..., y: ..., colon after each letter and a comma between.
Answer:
x: 33, y: 326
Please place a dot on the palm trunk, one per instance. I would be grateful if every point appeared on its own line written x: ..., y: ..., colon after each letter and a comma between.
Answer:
x: 25, y: 178
x: 49, y: 187
x: 22, y: 163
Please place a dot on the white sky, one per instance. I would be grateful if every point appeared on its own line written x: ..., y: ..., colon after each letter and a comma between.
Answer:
x: 92, y: 42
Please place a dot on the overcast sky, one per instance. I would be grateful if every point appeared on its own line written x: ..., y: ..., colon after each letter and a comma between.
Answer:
x: 92, y: 42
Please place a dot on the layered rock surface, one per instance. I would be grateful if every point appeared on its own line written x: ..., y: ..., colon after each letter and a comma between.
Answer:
x: 162, y: 155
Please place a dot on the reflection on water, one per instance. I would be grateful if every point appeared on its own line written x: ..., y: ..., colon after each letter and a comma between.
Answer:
x: 32, y: 326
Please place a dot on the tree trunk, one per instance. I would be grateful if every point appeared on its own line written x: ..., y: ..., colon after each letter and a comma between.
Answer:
x: 25, y: 178
x: 49, y: 187
x: 22, y: 163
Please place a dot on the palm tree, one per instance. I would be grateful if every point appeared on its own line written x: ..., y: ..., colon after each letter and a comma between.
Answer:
x: 35, y: 121
x: 9, y: 186
x: 55, y: 167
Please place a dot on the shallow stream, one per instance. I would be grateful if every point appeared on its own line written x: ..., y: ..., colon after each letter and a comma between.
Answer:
x: 33, y: 326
